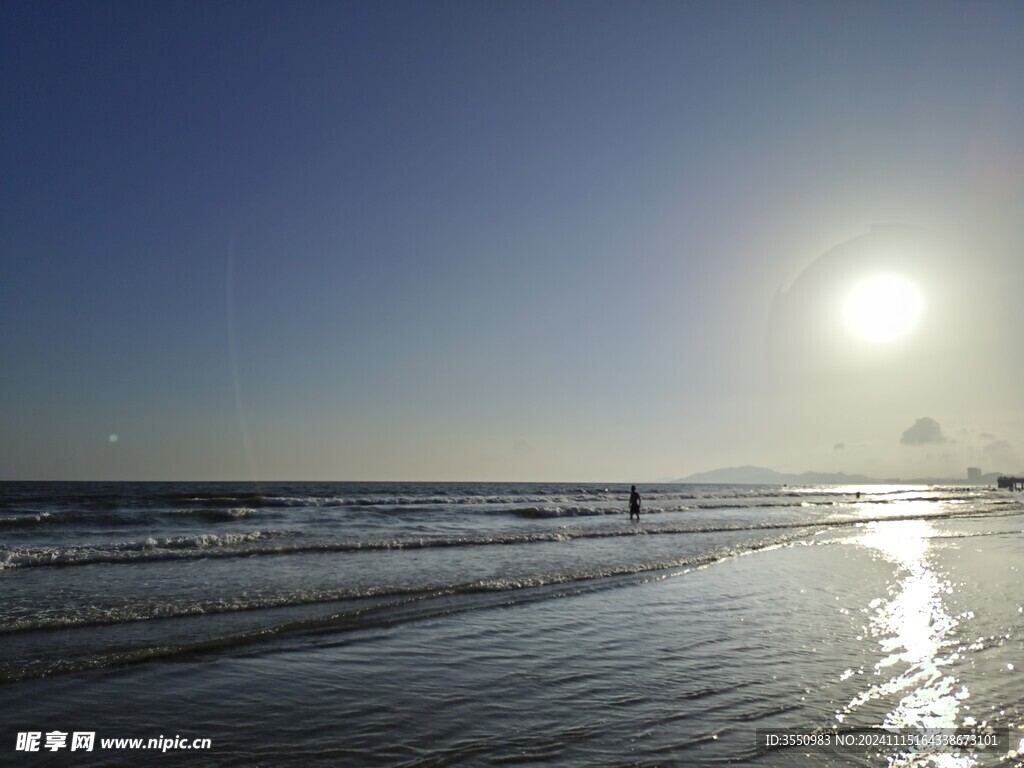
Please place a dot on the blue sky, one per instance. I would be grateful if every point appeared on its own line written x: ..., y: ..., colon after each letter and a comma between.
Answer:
x: 531, y: 241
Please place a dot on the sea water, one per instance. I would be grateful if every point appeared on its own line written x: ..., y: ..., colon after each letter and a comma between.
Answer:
x: 493, y: 624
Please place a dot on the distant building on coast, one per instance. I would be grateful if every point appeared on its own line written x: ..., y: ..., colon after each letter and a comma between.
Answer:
x: 974, y: 474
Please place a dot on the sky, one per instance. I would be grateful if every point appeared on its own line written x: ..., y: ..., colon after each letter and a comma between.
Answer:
x: 523, y: 241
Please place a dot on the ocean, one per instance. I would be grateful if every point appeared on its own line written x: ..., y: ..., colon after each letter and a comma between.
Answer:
x: 527, y: 624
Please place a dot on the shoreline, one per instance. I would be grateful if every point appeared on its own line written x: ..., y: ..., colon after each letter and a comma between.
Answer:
x: 907, y: 621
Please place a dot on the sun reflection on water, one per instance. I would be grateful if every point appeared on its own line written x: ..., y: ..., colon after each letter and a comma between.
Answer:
x: 918, y: 637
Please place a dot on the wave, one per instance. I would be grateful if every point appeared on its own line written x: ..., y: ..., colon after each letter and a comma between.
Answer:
x: 30, y: 520
x: 554, y: 512
x: 393, y: 604
x: 44, y: 519
x: 229, y: 513
x: 271, y: 543
x: 691, y: 505
x: 278, y: 543
x: 123, y: 518
x: 134, y: 505
x: 145, y: 550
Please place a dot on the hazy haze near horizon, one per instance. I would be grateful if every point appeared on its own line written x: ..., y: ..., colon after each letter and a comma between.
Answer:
x: 509, y: 241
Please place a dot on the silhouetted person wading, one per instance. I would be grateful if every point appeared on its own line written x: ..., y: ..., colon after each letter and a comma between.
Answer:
x: 634, y: 503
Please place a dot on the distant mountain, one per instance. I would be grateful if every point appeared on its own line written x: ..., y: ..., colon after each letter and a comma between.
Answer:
x: 750, y: 475
x: 741, y: 475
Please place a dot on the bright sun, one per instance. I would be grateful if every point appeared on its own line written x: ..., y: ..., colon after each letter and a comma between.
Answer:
x: 883, y: 307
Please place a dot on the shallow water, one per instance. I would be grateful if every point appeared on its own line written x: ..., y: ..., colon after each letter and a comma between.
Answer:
x: 493, y: 625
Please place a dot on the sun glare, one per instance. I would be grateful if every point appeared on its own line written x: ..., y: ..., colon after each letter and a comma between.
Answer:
x: 883, y: 307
